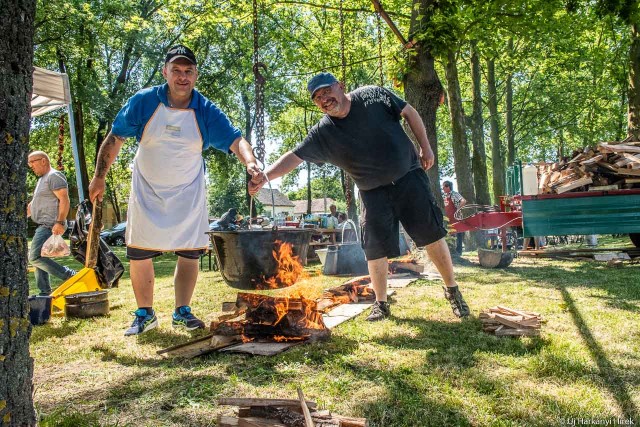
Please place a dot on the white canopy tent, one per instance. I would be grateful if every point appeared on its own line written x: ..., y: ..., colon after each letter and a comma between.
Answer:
x: 50, y: 92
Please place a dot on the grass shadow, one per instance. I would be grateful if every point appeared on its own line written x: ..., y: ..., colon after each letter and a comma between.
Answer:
x: 611, y: 379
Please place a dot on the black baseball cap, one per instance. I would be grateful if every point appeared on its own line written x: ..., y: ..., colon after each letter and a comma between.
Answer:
x: 319, y: 81
x: 180, y: 51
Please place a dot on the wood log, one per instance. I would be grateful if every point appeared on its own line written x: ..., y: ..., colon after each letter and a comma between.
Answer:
x: 630, y: 172
x: 253, y: 401
x: 574, y: 184
x: 619, y: 148
x: 259, y: 422
x: 305, y: 409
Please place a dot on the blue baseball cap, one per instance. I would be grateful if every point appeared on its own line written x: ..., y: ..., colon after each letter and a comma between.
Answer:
x: 319, y: 81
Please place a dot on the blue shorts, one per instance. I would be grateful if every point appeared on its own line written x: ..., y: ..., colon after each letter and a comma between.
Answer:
x: 138, y: 254
x: 408, y: 201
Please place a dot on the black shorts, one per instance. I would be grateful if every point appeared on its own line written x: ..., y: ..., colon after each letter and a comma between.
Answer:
x: 408, y: 201
x: 138, y: 254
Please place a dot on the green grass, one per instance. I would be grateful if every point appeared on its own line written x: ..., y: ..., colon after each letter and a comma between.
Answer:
x: 423, y: 367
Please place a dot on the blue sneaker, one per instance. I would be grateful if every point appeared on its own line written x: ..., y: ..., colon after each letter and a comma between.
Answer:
x: 142, y: 323
x: 183, y: 318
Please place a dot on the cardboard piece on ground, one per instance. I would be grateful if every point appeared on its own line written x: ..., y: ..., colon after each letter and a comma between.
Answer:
x: 609, y: 256
x: 260, y: 348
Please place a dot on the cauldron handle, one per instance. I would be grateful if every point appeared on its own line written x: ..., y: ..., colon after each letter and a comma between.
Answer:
x: 273, y: 206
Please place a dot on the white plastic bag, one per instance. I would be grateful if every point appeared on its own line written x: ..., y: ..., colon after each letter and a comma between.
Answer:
x: 55, y: 246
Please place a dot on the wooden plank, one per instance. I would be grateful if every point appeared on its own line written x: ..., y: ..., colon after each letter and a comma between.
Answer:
x: 606, y: 166
x: 516, y: 312
x: 225, y: 421
x: 630, y: 172
x: 592, y: 160
x: 254, y: 401
x: 619, y: 148
x: 200, y: 346
x: 259, y: 422
x: 511, y: 322
x: 575, y: 184
x: 305, y: 409
x: 604, y: 187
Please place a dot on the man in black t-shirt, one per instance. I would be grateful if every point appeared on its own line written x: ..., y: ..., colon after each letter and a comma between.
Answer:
x: 361, y: 134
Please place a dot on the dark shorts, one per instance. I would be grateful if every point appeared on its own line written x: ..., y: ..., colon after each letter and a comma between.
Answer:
x: 138, y: 254
x: 408, y: 201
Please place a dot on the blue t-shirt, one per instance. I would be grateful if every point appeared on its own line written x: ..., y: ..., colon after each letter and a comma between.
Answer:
x: 215, y: 127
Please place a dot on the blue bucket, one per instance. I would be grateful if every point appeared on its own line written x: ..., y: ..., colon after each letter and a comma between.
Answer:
x: 39, y: 309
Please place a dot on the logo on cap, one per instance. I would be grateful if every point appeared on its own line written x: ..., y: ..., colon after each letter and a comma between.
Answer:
x: 180, y: 51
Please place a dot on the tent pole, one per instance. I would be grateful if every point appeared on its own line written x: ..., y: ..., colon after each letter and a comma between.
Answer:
x: 74, y: 141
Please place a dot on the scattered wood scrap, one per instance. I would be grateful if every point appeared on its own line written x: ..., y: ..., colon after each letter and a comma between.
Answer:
x: 606, y: 167
x: 503, y: 321
x: 283, y: 413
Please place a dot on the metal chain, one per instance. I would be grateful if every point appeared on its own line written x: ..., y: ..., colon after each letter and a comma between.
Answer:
x: 259, y: 148
x: 342, y: 55
x: 379, y: 25
x: 347, y: 180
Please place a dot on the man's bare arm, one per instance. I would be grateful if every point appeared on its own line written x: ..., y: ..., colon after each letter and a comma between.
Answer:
x: 417, y: 127
x: 282, y: 166
x: 106, y: 156
x: 63, y: 209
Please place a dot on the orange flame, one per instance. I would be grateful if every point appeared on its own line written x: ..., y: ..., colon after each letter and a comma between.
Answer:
x: 289, y: 267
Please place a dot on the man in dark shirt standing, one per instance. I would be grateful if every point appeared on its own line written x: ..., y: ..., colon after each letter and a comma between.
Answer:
x: 361, y: 134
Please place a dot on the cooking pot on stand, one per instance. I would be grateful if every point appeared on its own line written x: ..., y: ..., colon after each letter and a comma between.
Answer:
x: 246, y: 257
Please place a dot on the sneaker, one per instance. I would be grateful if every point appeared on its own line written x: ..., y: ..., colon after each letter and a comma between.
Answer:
x: 183, y: 318
x: 142, y: 323
x: 458, y: 305
x: 379, y: 311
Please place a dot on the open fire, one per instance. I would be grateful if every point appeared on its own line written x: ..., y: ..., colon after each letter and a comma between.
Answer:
x: 274, y: 319
x: 289, y: 268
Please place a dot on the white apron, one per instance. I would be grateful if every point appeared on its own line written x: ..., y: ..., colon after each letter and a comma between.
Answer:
x: 168, y: 204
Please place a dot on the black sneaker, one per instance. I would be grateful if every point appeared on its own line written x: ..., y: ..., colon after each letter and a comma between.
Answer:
x: 182, y: 318
x: 143, y: 322
x: 379, y: 311
x: 458, y: 305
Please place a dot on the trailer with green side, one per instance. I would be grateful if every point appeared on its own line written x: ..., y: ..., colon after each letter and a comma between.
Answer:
x: 589, y: 212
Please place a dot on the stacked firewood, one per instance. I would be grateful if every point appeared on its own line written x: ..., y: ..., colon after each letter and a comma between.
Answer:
x: 283, y: 413
x: 503, y: 321
x: 606, y: 167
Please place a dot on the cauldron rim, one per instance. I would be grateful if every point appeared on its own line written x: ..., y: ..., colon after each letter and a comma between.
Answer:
x: 244, y: 267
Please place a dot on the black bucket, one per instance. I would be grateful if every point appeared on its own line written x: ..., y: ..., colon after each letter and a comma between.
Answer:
x: 246, y: 256
x: 86, y: 304
x: 39, y: 309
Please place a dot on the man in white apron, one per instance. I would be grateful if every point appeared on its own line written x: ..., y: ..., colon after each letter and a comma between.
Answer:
x: 173, y: 123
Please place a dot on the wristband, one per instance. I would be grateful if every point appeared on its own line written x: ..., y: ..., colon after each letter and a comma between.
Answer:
x: 63, y: 222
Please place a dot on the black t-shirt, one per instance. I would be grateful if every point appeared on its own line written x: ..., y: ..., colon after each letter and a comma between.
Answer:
x: 369, y: 143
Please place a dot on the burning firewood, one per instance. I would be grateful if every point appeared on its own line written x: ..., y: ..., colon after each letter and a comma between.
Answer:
x: 504, y: 321
x: 283, y: 413
x: 274, y: 318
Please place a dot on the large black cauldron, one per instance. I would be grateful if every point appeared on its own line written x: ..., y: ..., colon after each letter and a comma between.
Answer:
x: 246, y: 256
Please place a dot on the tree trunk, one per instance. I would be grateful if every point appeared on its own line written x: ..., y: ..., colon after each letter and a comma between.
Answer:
x: 422, y: 87
x: 16, y: 68
x: 497, y: 161
x: 511, y: 146
x: 479, y: 160
x: 461, y: 160
x: 633, y: 127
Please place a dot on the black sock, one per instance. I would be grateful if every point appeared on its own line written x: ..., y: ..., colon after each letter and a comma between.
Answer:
x: 149, y: 310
